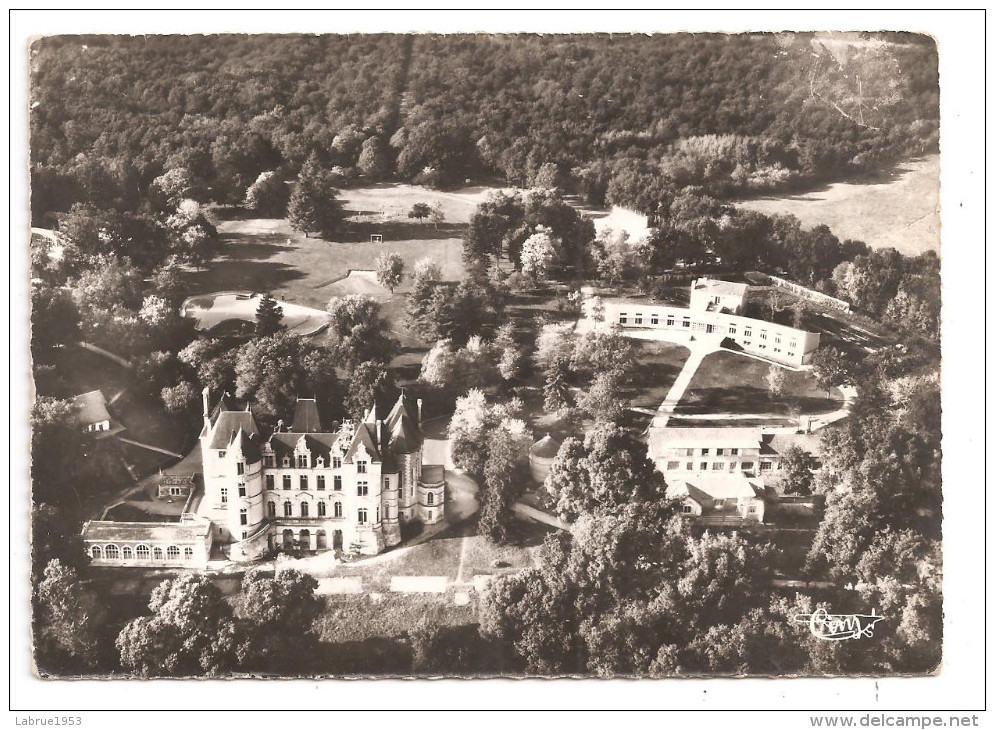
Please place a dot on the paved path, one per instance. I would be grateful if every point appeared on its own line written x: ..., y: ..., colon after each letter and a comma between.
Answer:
x: 523, y: 510
x: 150, y: 448
x: 698, y: 353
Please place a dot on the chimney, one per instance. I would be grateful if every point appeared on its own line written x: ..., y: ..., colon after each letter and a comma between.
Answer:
x: 279, y: 426
x: 377, y: 433
x: 206, y: 393
x: 419, y: 413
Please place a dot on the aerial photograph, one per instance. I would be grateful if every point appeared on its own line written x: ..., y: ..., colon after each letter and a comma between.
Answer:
x: 471, y: 355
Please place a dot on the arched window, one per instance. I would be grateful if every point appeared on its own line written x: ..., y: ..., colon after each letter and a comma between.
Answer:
x: 172, y: 553
x: 157, y: 553
x: 126, y: 553
x: 111, y: 552
x: 338, y: 509
x: 188, y: 553
x: 304, y: 509
x: 431, y: 498
x: 95, y: 552
x: 142, y: 552
x: 271, y: 509
x: 288, y: 509
x: 321, y: 509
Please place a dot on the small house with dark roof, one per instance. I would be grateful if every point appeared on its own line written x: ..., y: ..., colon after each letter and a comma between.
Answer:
x: 541, y: 456
x: 92, y: 414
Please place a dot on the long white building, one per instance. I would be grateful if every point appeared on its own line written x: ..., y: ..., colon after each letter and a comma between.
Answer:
x: 716, y: 311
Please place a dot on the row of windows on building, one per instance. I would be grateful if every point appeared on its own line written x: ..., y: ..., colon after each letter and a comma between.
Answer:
x: 305, y: 510
x: 719, y: 465
x: 719, y: 504
x: 141, y: 553
x: 623, y: 318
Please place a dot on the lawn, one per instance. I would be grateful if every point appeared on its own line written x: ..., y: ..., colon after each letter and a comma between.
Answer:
x: 899, y: 209
x: 148, y: 423
x: 730, y: 383
x: 659, y: 364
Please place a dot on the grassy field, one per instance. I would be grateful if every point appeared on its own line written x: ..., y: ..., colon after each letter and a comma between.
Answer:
x: 659, y: 365
x: 898, y: 209
x: 730, y: 383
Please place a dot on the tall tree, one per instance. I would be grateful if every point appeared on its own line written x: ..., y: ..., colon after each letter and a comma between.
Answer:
x: 357, y: 331
x: 268, y: 195
x: 64, y: 620
x: 390, y: 270
x: 314, y: 207
x: 269, y: 316
x: 277, y: 619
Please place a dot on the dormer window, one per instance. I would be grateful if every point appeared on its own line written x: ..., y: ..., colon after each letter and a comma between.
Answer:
x: 286, y: 462
x: 302, y: 461
x: 336, y: 462
x: 270, y: 461
x: 221, y: 454
x: 360, y: 467
x: 321, y: 463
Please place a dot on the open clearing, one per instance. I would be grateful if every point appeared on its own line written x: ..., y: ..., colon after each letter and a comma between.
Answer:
x: 900, y: 209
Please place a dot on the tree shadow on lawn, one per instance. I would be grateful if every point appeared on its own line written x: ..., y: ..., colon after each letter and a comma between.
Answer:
x: 746, y: 399
x: 254, y: 246
x: 393, y: 231
x: 247, y: 275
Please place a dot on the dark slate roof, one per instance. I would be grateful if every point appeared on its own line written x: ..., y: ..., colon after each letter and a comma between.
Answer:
x: 306, y: 419
x: 404, y: 436
x: 319, y: 444
x: 432, y: 474
x: 779, y: 443
x: 248, y: 444
x: 403, y: 407
x: 363, y: 436
x: 545, y: 448
x: 228, y: 424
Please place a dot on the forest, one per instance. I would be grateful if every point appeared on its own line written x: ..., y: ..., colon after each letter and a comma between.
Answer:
x: 623, y: 119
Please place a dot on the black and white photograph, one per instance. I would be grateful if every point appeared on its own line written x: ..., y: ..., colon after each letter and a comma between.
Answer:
x: 494, y: 354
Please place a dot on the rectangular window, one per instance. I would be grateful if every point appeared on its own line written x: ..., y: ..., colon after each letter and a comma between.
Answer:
x: 747, y: 332
x: 686, y: 322
x: 244, y: 534
x: 690, y: 466
x: 386, y: 482
x: 270, y: 461
x: 765, y: 466
x: 686, y: 509
x: 286, y: 481
x: 337, y: 483
x: 362, y: 515
x: 241, y: 490
x: 654, y: 319
x: 303, y: 481
x: 243, y: 518
x: 321, y: 482
x: 732, y: 329
x: 689, y: 452
x: 763, y: 335
x: 703, y: 466
x: 777, y: 340
x: 704, y: 452
x: 718, y: 452
x: 240, y: 468
x: 734, y: 451
x: 224, y: 495
x: 746, y: 466
x: 717, y: 465
x: 360, y: 467
x: 362, y: 489
x: 638, y: 319
x: 752, y: 509
x: 623, y: 318
x: 270, y: 482
x: 671, y: 465
x: 670, y: 320
x: 792, y: 344
x: 336, y: 462
x: 302, y: 461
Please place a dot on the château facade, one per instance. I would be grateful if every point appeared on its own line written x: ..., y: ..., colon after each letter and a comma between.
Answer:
x: 301, y: 489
